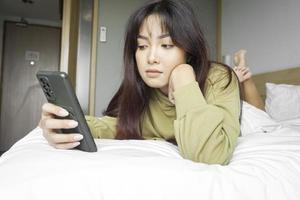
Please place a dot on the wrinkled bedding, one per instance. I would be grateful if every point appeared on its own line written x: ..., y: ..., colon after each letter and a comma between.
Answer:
x: 263, y: 166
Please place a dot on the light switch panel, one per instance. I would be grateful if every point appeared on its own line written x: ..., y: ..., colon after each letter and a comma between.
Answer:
x: 102, y: 34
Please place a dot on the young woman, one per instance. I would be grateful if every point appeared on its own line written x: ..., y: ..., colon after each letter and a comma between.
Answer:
x: 170, y: 90
x: 249, y: 90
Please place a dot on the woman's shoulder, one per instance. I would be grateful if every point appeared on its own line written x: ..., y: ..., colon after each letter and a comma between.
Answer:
x: 220, y: 78
x: 218, y: 69
x: 219, y: 73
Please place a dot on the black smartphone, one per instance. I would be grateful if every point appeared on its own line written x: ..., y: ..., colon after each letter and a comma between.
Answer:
x: 59, y: 91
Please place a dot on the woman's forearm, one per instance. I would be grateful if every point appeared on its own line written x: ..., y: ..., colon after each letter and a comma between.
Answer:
x: 251, y: 94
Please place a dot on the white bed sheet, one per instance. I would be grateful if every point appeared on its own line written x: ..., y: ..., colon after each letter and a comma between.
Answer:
x: 264, y: 166
x: 293, y: 124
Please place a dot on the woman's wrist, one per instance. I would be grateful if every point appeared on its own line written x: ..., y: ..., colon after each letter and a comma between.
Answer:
x: 248, y: 81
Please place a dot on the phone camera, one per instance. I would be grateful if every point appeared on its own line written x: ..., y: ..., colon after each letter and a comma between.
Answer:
x: 47, y: 88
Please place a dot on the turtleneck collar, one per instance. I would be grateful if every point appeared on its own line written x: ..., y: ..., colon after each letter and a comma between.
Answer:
x: 160, y: 99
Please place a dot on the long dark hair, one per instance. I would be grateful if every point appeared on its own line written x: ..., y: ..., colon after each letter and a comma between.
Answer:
x: 131, y: 100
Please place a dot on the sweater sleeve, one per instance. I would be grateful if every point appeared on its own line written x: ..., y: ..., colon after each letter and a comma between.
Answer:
x: 207, y: 131
x: 104, y: 127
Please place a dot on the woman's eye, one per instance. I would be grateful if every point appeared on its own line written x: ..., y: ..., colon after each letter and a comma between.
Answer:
x: 167, y: 46
x: 142, y: 47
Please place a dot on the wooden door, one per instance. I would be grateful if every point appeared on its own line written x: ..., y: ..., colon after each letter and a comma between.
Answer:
x: 27, y: 49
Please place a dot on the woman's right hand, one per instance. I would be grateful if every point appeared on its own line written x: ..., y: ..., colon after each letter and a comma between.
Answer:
x: 243, y: 73
x: 51, y: 125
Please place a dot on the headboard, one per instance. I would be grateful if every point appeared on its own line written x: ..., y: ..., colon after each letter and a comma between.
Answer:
x: 286, y: 76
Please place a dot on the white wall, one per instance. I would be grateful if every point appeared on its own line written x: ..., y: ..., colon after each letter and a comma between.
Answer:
x: 114, y: 15
x: 268, y: 29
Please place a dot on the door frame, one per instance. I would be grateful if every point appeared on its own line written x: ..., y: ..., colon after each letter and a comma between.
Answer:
x: 69, y: 46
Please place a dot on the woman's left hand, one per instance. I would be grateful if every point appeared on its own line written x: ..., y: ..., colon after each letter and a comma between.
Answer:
x: 181, y: 75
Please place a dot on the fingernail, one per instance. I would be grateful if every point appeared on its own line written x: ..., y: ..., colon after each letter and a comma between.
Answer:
x: 75, y: 144
x: 72, y: 124
x: 78, y: 137
x: 63, y: 112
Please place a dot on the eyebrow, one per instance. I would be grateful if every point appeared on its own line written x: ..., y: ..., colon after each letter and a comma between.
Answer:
x: 159, y: 37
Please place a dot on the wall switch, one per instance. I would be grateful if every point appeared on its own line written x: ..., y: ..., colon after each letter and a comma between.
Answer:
x: 102, y: 34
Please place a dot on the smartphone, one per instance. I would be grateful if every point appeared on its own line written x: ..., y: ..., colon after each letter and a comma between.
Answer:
x: 59, y: 91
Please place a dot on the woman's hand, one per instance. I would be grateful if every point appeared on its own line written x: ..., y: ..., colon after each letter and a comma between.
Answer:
x: 50, y: 125
x: 242, y: 71
x: 181, y: 75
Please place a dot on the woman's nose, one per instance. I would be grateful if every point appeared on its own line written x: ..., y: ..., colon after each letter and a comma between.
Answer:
x: 152, y: 56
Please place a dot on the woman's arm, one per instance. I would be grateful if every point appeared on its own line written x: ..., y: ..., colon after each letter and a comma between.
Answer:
x: 104, y: 127
x: 206, y: 129
x: 249, y: 90
x: 251, y: 95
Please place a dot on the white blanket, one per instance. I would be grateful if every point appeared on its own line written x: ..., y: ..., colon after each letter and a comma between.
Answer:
x: 293, y: 124
x: 264, y: 166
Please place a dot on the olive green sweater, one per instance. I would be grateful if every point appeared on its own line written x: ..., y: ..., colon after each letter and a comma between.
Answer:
x: 204, y: 125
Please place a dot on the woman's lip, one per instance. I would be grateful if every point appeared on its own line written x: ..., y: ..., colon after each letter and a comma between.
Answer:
x: 153, y: 71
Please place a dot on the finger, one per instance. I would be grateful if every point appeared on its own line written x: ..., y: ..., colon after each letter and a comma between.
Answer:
x: 170, y: 93
x: 42, y: 122
x: 51, y: 123
x: 47, y: 135
x: 244, y: 70
x: 57, y: 138
x: 66, y: 145
x: 239, y: 72
x: 238, y: 69
x: 248, y: 75
x: 241, y: 67
x: 50, y: 109
x: 171, y: 98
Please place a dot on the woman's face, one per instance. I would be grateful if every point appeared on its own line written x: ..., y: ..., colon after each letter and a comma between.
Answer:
x: 156, y: 55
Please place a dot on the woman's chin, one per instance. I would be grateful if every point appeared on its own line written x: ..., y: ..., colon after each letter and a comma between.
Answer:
x: 154, y: 84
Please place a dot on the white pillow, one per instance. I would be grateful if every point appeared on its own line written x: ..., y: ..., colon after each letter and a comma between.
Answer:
x: 283, y: 101
x: 255, y: 120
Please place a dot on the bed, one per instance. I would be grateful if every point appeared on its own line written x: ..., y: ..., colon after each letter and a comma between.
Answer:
x: 286, y: 76
x: 281, y: 92
x: 265, y: 165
